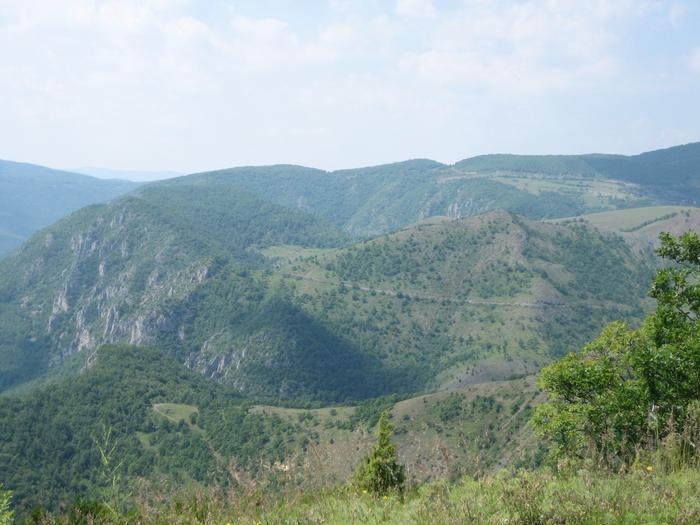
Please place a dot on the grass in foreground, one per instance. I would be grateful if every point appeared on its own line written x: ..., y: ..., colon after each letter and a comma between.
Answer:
x: 527, y: 498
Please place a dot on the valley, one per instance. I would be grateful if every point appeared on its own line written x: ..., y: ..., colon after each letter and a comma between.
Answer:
x: 392, y: 262
x: 245, y: 329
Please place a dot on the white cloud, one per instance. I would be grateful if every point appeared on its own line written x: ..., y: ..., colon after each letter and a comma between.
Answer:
x: 694, y: 60
x: 527, y: 46
x: 677, y: 13
x: 415, y: 8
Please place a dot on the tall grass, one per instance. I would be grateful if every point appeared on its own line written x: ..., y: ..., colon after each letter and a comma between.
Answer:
x: 644, y: 495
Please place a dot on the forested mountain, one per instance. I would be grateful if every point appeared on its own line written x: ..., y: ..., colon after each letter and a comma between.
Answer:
x: 32, y: 197
x: 375, y: 200
x: 371, y: 201
x: 184, y: 268
x: 462, y: 301
x: 117, y: 272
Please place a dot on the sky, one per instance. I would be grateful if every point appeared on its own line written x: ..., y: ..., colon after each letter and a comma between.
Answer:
x: 193, y: 85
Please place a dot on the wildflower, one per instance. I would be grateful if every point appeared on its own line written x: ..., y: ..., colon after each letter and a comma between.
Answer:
x: 650, y: 468
x: 364, y: 491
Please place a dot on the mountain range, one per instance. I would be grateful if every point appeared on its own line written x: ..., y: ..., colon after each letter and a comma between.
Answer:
x: 32, y: 197
x: 196, y: 269
x: 221, y: 314
x: 371, y: 201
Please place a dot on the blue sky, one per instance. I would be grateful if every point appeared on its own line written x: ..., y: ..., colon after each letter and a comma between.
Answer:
x: 194, y: 85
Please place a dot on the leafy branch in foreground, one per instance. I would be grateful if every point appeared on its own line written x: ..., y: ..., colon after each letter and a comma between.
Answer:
x: 6, y: 513
x: 110, y: 468
x: 633, y: 389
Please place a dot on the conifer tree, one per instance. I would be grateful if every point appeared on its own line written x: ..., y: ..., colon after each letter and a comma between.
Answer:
x: 380, y: 471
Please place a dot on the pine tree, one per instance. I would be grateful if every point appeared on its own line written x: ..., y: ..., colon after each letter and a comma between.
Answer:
x: 380, y: 472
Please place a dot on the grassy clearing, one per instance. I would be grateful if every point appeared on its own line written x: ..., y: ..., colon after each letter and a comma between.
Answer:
x: 594, y: 193
x: 289, y: 252
x: 641, y: 227
x: 634, y: 218
x: 175, y: 412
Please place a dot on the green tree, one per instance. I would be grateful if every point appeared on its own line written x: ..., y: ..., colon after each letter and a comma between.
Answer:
x: 380, y: 471
x: 5, y: 511
x: 597, y: 405
x: 632, y: 388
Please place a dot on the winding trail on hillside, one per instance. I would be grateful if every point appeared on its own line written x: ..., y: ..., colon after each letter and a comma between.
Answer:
x: 426, y: 296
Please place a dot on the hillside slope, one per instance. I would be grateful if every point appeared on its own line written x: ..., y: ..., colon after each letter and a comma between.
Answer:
x: 641, y: 227
x: 119, y: 272
x: 182, y: 267
x: 453, y: 302
x: 170, y: 429
x: 32, y: 197
x: 370, y: 201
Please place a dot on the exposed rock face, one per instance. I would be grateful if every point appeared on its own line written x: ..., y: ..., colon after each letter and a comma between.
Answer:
x: 137, y: 271
x: 104, y: 280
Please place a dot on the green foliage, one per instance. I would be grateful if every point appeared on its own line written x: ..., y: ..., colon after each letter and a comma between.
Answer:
x: 369, y: 412
x: 596, y: 409
x: 5, y: 511
x: 380, y: 471
x: 632, y: 388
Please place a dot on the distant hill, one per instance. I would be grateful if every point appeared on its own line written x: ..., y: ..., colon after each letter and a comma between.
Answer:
x: 32, y: 197
x: 132, y: 175
x: 375, y: 200
x: 450, y: 302
x: 371, y: 201
x: 672, y: 173
x: 379, y: 199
